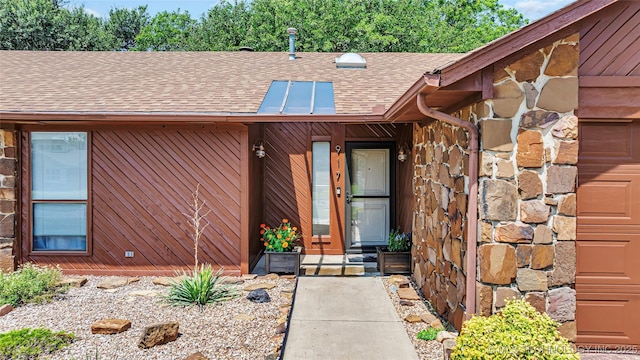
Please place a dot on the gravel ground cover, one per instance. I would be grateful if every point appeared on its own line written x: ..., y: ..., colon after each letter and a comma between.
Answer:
x: 237, y: 329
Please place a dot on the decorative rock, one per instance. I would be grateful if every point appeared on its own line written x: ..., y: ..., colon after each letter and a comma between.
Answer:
x: 529, y: 184
x: 530, y: 93
x: 531, y: 280
x: 110, y: 326
x: 412, y: 318
x: 542, y: 256
x: 564, y: 264
x: 231, y: 280
x: 400, y: 280
x: 538, y: 119
x: 562, y: 304
x: 505, y: 169
x: 5, y: 309
x: 444, y: 335
x: 537, y: 300
x: 288, y: 276
x: 281, y: 328
x: 249, y: 276
x: 534, y: 212
x: 159, y: 333
x: 270, y: 276
x: 542, y: 235
x: 259, y: 296
x: 528, y: 68
x: 498, y: 199
x: 514, y: 233
x: 565, y: 227
x: 436, y: 324
x: 484, y: 299
x: 530, y: 149
x: 561, y: 179
x: 567, y: 153
x: 567, y: 205
x: 117, y: 282
x: 503, y: 294
x: 563, y: 61
x: 166, y: 281
x: 559, y: 94
x: 406, y: 303
x: 149, y: 293
x: 568, y: 330
x: 507, y: 99
x: 428, y: 318
x: 196, y: 356
x: 497, y: 263
x: 73, y: 281
x: 259, y: 286
x: 447, y: 347
x: 496, y: 135
x: 408, y: 294
x: 566, y: 128
x: 523, y: 255
x: 244, y: 317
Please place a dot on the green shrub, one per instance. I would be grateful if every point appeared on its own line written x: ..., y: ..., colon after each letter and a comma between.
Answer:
x: 203, y: 288
x: 32, y: 343
x: 30, y: 283
x: 517, y: 332
x: 399, y: 241
x: 428, y: 334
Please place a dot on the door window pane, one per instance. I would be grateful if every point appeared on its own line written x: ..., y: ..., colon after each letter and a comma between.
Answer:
x: 59, y: 165
x: 321, y: 187
x: 370, y: 172
x: 59, y: 227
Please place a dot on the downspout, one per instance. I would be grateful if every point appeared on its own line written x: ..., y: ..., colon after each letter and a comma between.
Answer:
x: 472, y: 208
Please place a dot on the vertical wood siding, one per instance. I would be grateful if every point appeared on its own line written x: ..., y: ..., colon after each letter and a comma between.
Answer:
x: 141, y: 181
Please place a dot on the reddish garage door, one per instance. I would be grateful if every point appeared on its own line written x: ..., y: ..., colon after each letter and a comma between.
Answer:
x: 608, y: 246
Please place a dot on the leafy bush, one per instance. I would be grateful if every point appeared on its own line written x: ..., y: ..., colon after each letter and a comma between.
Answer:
x: 203, y: 288
x: 428, y: 334
x: 32, y: 343
x: 517, y: 332
x: 399, y: 241
x: 30, y: 283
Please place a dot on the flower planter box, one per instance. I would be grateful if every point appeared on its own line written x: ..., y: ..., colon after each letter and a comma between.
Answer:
x: 393, y: 262
x: 283, y: 262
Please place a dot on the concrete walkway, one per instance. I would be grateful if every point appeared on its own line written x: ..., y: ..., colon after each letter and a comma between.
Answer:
x: 344, y: 318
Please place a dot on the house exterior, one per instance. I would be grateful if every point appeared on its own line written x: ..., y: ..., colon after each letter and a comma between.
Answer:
x: 498, y: 139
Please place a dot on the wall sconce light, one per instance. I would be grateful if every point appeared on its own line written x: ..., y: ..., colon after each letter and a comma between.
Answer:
x: 403, y: 151
x: 258, y: 147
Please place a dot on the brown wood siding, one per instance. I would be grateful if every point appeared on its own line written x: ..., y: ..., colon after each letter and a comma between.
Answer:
x: 371, y: 131
x: 141, y: 181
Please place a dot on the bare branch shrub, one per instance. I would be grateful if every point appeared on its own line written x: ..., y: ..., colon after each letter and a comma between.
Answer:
x: 197, y: 221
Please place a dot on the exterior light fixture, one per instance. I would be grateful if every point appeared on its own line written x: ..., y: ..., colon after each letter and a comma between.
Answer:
x: 258, y: 147
x: 403, y: 151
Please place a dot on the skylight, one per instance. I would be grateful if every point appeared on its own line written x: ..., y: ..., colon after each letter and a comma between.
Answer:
x: 298, y: 97
x: 351, y: 61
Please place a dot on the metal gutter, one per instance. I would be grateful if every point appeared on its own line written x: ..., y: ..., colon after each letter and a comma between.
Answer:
x: 472, y: 207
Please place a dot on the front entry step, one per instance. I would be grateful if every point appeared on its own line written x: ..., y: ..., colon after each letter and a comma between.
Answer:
x: 339, y: 265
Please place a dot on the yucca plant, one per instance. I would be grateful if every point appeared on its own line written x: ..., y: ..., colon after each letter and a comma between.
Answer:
x: 202, y: 288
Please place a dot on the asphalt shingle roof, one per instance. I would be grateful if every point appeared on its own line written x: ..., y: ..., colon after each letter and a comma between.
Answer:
x: 195, y: 82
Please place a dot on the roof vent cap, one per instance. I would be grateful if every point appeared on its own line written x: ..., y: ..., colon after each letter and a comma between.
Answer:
x: 351, y: 61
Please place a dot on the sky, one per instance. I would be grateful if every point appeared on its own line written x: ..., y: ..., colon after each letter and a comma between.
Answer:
x: 532, y: 9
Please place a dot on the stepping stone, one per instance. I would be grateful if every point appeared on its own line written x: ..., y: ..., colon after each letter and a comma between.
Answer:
x: 159, y: 333
x: 73, y: 281
x: 259, y: 286
x: 149, y: 293
x: 406, y: 303
x: 288, y: 277
x: 196, y: 356
x: 270, y: 276
x: 5, y: 309
x: 168, y: 281
x: 110, y: 326
x: 413, y: 319
x: 117, y: 282
x: 244, y: 317
x: 231, y: 280
x: 248, y: 276
x: 408, y: 294
x: 428, y: 318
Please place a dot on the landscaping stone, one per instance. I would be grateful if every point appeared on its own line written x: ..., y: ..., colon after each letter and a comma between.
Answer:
x: 514, y: 233
x: 159, y: 333
x: 531, y: 280
x: 567, y: 205
x: 530, y: 149
x: 117, y: 282
x: 566, y: 127
x: 542, y: 235
x: 568, y: 330
x: 542, y: 256
x: 567, y: 153
x: 498, y: 200
x: 497, y: 263
x: 408, y: 294
x: 270, y: 276
x: 259, y: 296
x: 537, y: 118
x: 400, y: 281
x: 563, y: 61
x: 110, y: 326
x: 529, y: 184
x: 496, y: 135
x: 523, y: 255
x: 406, y: 303
x: 231, y: 280
x: 73, y: 281
x: 428, y: 318
x: 244, y: 317
x: 281, y: 328
x: 413, y: 318
x: 259, y: 286
x: 249, y: 276
x: 5, y: 309
x: 447, y: 347
x: 537, y: 300
x: 288, y: 289
x: 503, y: 294
x: 444, y: 335
x: 565, y: 227
x: 168, y: 281
x: 196, y: 356
x: 436, y: 324
x: 528, y: 68
x: 564, y: 264
x: 534, y: 212
x: 559, y: 94
x: 530, y: 93
x: 149, y: 293
x: 562, y: 304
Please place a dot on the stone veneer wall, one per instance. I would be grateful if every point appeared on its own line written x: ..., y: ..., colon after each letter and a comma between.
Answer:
x: 7, y: 199
x: 527, y: 185
x: 439, y: 218
x: 527, y: 200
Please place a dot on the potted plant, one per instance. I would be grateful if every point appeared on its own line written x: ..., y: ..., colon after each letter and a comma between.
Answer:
x: 282, y: 249
x: 395, y: 258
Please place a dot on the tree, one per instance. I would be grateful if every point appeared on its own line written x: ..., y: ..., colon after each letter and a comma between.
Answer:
x: 124, y: 25
x: 167, y: 31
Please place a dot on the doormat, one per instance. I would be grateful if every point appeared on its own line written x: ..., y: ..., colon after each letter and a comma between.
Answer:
x: 363, y: 258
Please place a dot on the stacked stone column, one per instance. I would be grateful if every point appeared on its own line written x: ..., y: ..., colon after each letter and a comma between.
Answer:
x: 7, y: 199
